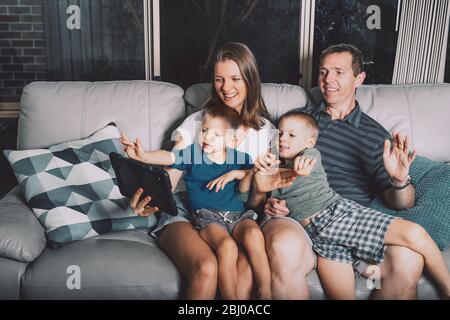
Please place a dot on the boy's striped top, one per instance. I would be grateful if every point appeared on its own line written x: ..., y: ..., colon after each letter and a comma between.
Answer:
x: 352, y: 153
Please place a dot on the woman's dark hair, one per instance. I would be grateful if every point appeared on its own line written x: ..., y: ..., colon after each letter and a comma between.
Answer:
x: 254, y: 109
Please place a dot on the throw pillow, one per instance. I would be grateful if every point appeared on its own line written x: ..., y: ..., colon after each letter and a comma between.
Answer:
x: 432, y: 207
x: 72, y: 189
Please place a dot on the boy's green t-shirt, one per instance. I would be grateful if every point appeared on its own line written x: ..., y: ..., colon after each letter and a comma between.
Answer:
x: 308, y: 195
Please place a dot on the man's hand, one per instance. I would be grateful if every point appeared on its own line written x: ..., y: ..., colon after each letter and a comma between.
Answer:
x: 303, y: 166
x: 397, y: 158
x: 140, y: 207
x: 275, y: 207
x: 221, y: 181
x: 134, y: 150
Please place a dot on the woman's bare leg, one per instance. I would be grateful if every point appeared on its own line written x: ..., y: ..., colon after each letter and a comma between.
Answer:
x: 248, y: 234
x: 227, y: 254
x: 413, y: 236
x: 290, y: 258
x: 337, y: 278
x: 182, y: 243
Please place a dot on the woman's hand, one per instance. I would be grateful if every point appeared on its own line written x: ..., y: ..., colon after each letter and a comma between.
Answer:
x: 276, y: 207
x: 140, y: 207
x: 303, y: 166
x: 221, y: 181
x: 134, y: 150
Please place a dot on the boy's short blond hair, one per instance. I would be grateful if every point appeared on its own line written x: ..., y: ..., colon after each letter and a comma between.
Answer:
x: 308, y: 120
x: 229, y: 115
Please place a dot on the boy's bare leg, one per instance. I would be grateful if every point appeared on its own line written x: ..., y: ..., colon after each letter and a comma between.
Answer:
x: 248, y: 234
x: 408, y: 234
x: 226, y: 252
x: 337, y: 278
x: 245, y: 276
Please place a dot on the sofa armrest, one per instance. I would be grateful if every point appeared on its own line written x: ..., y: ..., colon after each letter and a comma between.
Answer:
x: 22, y: 238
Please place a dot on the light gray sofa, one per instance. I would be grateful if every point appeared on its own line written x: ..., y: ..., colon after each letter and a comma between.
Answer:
x: 129, y: 264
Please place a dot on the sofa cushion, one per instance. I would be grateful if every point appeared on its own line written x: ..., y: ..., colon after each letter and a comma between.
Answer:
x: 432, y: 207
x: 72, y: 189
x: 11, y: 275
x: 120, y: 265
x: 22, y: 238
x: 77, y: 109
x: 279, y: 98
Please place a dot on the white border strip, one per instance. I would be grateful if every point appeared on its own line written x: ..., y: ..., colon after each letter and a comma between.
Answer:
x: 156, y: 40
x: 147, y: 39
x: 306, y: 41
x: 442, y: 63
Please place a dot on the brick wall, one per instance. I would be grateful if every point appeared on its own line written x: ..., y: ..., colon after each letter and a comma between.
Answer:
x: 22, y: 46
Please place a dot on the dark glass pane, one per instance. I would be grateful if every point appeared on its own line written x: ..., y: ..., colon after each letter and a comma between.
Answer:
x: 447, y: 62
x: 108, y: 46
x: 8, y: 134
x: 347, y: 21
x: 192, y: 30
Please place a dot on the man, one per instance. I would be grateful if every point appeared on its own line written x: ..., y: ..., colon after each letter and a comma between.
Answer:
x: 360, y: 163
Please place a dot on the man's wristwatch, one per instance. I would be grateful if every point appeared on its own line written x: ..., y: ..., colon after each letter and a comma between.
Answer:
x: 397, y: 186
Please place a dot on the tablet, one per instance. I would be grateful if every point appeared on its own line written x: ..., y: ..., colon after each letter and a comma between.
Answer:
x: 132, y: 174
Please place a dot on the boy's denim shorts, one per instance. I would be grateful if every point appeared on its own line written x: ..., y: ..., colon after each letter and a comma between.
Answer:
x: 226, y: 219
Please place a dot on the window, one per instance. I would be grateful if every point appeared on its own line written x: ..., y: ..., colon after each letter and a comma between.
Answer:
x: 56, y: 40
x: 368, y: 24
x: 97, y: 40
x: 192, y: 30
x: 86, y: 40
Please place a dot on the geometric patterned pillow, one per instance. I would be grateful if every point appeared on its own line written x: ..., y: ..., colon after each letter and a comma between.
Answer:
x: 72, y: 189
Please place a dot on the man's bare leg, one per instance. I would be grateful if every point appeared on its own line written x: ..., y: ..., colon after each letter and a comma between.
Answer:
x: 337, y: 278
x: 400, y: 273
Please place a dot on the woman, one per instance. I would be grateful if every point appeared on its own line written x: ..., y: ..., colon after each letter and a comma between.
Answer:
x: 237, y: 84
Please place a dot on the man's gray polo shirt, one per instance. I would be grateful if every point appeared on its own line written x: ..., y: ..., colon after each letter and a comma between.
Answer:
x: 352, y: 153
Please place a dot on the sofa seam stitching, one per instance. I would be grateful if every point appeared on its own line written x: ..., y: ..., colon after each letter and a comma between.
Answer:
x: 20, y: 255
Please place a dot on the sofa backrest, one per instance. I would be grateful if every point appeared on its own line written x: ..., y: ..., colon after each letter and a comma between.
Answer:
x: 421, y: 111
x: 54, y: 112
x: 279, y: 98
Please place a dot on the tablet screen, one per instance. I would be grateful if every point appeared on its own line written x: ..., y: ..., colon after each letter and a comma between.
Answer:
x: 132, y: 174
